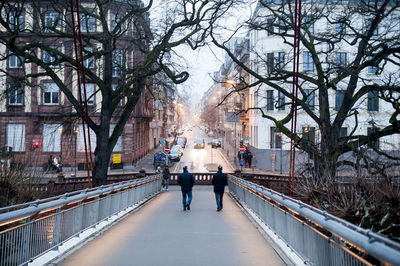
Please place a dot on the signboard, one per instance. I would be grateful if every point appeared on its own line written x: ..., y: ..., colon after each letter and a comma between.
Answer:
x: 116, y: 158
x: 241, y: 162
x: 241, y: 149
x: 166, y: 149
x: 232, y: 117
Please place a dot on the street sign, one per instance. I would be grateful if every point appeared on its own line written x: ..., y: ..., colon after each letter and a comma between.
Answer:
x: 241, y: 162
x: 166, y: 149
x: 241, y: 149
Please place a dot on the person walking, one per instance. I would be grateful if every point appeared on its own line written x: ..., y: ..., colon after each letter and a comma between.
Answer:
x: 249, y: 158
x: 219, y: 182
x: 166, y: 176
x: 186, y: 181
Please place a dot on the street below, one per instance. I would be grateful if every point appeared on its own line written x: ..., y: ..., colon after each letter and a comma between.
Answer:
x: 200, y: 160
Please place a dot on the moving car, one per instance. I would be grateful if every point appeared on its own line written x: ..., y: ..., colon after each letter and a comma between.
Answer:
x: 215, y: 143
x: 199, y: 144
x: 175, y: 153
x: 181, y: 141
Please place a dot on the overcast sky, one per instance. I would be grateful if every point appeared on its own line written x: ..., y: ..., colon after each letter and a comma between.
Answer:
x: 203, y: 62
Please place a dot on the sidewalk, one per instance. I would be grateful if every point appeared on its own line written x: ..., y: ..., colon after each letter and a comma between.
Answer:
x: 229, y: 154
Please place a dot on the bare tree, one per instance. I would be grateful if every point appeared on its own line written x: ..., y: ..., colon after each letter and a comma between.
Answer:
x: 123, y: 45
x: 349, y: 57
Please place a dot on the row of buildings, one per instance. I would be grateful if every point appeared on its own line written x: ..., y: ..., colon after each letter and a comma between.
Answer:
x: 266, y: 50
x: 36, y: 118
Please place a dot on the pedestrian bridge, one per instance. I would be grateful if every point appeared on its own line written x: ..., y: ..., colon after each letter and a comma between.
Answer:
x: 136, y: 223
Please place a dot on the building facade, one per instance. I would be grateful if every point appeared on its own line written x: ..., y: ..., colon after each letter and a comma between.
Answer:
x: 36, y: 118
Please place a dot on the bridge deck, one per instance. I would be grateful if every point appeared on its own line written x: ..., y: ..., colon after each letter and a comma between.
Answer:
x: 160, y: 233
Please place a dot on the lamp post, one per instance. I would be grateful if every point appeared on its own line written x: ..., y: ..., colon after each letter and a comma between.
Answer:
x: 76, y: 131
x: 281, y: 135
x: 60, y: 129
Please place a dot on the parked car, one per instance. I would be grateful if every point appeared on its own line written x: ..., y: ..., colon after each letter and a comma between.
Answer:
x: 215, y: 143
x: 181, y: 141
x: 199, y: 144
x: 160, y: 159
x: 175, y: 153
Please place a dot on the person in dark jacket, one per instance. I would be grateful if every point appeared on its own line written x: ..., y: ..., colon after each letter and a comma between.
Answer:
x: 186, y: 181
x: 219, y: 182
x: 166, y: 176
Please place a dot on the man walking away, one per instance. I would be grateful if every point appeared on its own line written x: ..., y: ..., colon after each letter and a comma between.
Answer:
x: 219, y: 182
x: 186, y: 181
x: 166, y: 176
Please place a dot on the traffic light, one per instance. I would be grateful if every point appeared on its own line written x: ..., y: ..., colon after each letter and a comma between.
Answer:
x: 36, y: 144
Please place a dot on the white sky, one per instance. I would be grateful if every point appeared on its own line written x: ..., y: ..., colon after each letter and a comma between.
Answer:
x: 203, y: 62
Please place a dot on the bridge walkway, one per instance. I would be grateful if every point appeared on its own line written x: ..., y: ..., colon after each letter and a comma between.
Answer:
x: 161, y: 233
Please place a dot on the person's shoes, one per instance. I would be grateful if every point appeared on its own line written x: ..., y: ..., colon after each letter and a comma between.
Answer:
x: 184, y: 209
x: 188, y: 207
x: 218, y: 209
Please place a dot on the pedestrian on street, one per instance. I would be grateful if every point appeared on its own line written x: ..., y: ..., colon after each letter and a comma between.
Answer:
x: 219, y: 181
x: 249, y: 158
x: 166, y: 176
x: 186, y: 181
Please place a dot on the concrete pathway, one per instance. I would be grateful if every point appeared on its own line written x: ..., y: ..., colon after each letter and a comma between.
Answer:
x: 161, y: 233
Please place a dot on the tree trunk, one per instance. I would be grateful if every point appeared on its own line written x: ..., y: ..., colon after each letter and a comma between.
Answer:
x: 102, y: 157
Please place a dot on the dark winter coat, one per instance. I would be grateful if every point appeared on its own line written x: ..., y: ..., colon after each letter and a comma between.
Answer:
x: 166, y: 173
x: 219, y: 181
x: 186, y: 181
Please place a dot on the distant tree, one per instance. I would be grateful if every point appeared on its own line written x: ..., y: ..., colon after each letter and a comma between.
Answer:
x: 349, y: 57
x: 123, y: 45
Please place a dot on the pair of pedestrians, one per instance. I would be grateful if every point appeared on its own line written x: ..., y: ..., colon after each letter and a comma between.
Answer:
x: 186, y: 181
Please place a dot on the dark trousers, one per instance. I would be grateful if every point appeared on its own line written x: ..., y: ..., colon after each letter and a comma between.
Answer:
x: 218, y: 198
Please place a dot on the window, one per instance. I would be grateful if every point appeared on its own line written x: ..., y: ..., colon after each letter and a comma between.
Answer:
x: 281, y: 58
x: 309, y: 135
x: 270, y: 26
x: 343, y: 132
x: 50, y: 94
x: 119, y: 145
x: 14, y: 61
x: 372, y: 69
x: 308, y: 63
x: 117, y: 62
x: 341, y: 59
x: 373, y: 101
x: 88, y: 24
x: 369, y: 24
x: 89, y: 93
x: 16, y: 136
x: 281, y: 26
x: 340, y: 26
x: 52, y: 21
x: 50, y: 57
x: 52, y: 137
x: 81, y: 141
x: 373, y: 144
x: 89, y: 62
x: 270, y: 62
x: 281, y: 101
x: 275, y: 138
x: 16, y: 20
x: 115, y: 19
x: 255, y: 99
x: 339, y: 99
x: 15, y: 94
x: 310, y: 98
x: 114, y: 87
x: 270, y: 100
x: 308, y: 22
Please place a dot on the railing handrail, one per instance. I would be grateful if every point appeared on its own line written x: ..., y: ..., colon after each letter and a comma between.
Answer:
x: 31, y: 208
x: 367, y: 240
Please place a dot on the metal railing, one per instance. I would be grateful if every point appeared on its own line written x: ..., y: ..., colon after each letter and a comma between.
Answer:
x: 316, y: 236
x: 29, y: 230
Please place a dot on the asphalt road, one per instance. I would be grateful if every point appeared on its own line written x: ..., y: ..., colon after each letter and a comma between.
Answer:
x: 200, y: 160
